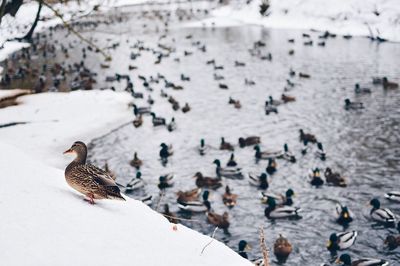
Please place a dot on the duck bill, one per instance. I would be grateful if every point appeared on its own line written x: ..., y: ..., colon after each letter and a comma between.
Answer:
x: 338, y: 261
x: 248, y: 247
x: 68, y: 151
x: 329, y: 244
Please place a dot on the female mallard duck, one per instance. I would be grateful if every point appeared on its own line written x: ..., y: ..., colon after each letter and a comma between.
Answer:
x: 334, y: 178
x: 140, y: 110
x: 172, y: 125
x: 349, y: 105
x: 360, y: 90
x: 383, y: 216
x: 196, y: 205
x: 286, y: 98
x: 136, y: 183
x: 171, y: 217
x: 166, y: 181
x: 392, y: 242
x: 341, y: 241
x: 202, y: 147
x: 202, y: 181
x: 136, y: 162
x: 225, y: 145
x: 282, y: 248
x: 249, y: 141
x: 343, y: 215
x: 281, y: 200
x: 316, y: 179
x: 306, y: 137
x: 229, y: 198
x: 191, y: 195
x: 345, y: 259
x: 157, y: 121
x: 231, y: 162
x: 265, y: 155
x: 138, y: 121
x: 222, y: 221
x: 259, y: 181
x: 88, y: 179
x: 274, y: 212
x: 389, y: 84
x: 393, y: 196
x: 228, y: 172
x: 271, y: 168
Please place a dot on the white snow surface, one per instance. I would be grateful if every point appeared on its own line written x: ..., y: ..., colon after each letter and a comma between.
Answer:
x: 45, y: 222
x: 338, y: 16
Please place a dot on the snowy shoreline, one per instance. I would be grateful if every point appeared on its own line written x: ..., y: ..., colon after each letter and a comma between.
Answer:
x: 42, y: 215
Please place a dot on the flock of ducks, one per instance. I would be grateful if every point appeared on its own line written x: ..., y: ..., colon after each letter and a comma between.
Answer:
x: 95, y: 183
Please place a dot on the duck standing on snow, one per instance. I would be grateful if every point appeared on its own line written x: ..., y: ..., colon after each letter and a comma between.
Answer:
x: 345, y: 259
x: 88, y: 179
x: 341, y: 241
x: 282, y: 248
x: 381, y: 215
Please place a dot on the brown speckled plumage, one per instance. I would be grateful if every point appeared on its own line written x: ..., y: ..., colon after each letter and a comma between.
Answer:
x: 88, y: 179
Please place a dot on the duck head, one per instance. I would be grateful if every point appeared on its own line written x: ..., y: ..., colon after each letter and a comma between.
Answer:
x: 375, y: 203
x: 79, y: 149
x: 319, y: 145
x: 345, y: 259
x: 153, y: 114
x: 347, y: 101
x: 206, y: 194
x: 202, y: 143
x: 332, y: 240
x: 285, y: 147
x: 271, y: 202
x: 289, y: 193
x: 243, y: 245
x: 242, y: 142
x: 222, y: 140
x: 138, y: 175
x: 257, y: 148
x: 263, y: 177
x: 357, y: 86
x: 345, y: 212
x: 217, y: 163
x: 163, y: 145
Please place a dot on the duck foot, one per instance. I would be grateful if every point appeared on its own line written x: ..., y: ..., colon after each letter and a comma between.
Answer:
x: 90, y: 200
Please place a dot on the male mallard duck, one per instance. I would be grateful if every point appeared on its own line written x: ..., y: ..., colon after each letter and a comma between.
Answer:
x: 157, y: 121
x: 393, y: 196
x: 249, y: 141
x: 166, y: 181
x: 88, y: 179
x: 334, y: 178
x: 171, y: 217
x: 320, y: 153
x: 392, y: 242
x: 243, y: 247
x: 274, y: 212
x: 306, y: 137
x: 359, y: 90
x: 287, y: 98
x: 316, y: 179
x: 274, y: 102
x: 229, y: 198
x: 341, y: 241
x: 225, y: 145
x: 150, y: 100
x: 269, y: 108
x: 223, y: 86
x: 136, y: 162
x: 259, y: 181
x: 191, y: 195
x: 202, y: 181
x: 196, y: 205
x: 140, y: 110
x: 389, y: 84
x: 345, y: 259
x: 383, y: 216
x: 138, y: 121
x: 231, y: 162
x: 282, y: 248
x: 287, y: 155
x: 202, y: 148
x: 186, y: 108
x: 265, y: 155
x: 281, y: 200
x: 136, y: 183
x: 228, y: 172
x: 165, y: 152
x: 172, y: 125
x: 271, y: 168
x: 349, y: 105
x: 343, y: 215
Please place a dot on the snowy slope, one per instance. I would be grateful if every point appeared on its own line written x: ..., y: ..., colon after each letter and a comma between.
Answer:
x: 44, y: 222
x: 338, y: 16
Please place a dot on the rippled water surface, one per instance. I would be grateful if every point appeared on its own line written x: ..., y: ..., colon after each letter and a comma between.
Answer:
x: 362, y: 145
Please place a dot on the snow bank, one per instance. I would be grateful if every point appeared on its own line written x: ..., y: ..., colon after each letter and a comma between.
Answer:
x: 353, y: 17
x: 12, y: 93
x: 44, y: 222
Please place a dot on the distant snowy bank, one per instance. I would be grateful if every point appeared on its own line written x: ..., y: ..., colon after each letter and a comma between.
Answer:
x: 45, y: 222
x: 355, y: 17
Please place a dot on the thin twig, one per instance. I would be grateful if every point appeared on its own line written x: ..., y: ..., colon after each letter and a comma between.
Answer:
x: 212, y: 239
x: 71, y: 29
x: 263, y: 247
x: 182, y: 219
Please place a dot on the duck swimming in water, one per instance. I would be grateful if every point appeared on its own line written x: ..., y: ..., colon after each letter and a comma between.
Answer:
x: 343, y: 215
x: 208, y: 182
x: 228, y: 172
x: 341, y: 241
x: 279, y: 199
x: 275, y: 212
x: 249, y: 141
x: 271, y: 168
x: 259, y: 181
x: 231, y: 162
x: 229, y: 198
x: 225, y: 145
x: 345, y: 259
x: 381, y: 215
x: 282, y: 248
x: 316, y: 179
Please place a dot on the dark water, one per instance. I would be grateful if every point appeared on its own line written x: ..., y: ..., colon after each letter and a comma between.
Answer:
x: 362, y: 145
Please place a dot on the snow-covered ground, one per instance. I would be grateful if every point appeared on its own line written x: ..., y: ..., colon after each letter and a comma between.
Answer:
x: 355, y: 17
x: 45, y: 222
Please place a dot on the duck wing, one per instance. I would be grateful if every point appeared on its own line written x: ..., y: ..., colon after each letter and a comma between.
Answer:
x: 103, y: 179
x: 370, y: 262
